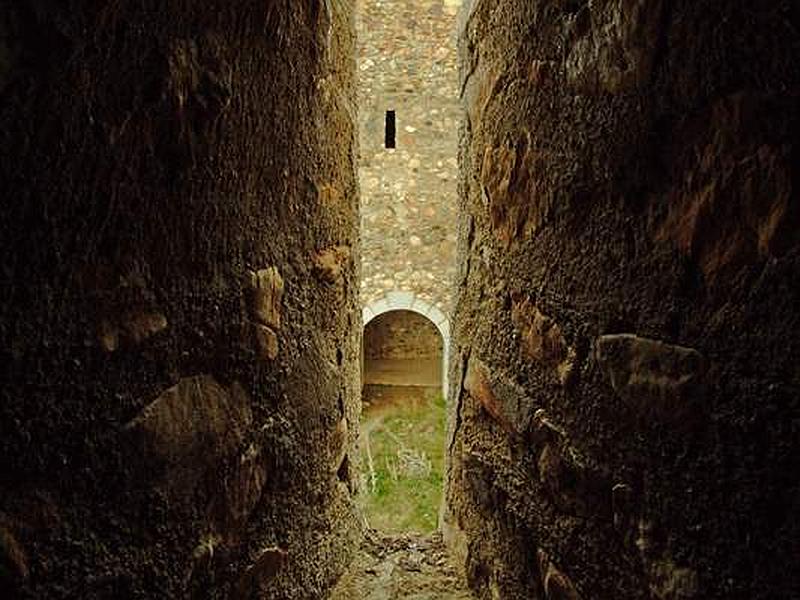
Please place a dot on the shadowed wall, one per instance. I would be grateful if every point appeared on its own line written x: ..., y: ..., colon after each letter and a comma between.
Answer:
x: 624, y: 373
x: 178, y: 232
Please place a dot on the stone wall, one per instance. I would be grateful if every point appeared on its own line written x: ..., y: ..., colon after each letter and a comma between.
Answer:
x: 624, y: 362
x: 407, y: 63
x: 402, y: 334
x: 179, y: 321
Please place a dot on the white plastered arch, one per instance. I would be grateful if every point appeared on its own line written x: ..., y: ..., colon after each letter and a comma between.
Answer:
x: 399, y: 300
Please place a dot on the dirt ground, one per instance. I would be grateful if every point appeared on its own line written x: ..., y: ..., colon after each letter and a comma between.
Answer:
x: 392, y: 566
x: 408, y: 566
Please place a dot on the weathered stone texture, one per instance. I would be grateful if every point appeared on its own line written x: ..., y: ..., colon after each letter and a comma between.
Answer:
x: 734, y: 202
x: 178, y: 379
x: 624, y: 373
x: 613, y: 45
x: 515, y: 192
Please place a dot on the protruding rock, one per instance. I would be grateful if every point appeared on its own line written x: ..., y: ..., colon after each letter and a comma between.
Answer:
x: 623, y: 510
x: 198, y: 86
x: 266, y: 341
x: 191, y: 427
x: 648, y: 541
x: 338, y: 444
x: 735, y: 203
x: 13, y: 560
x: 241, y: 491
x: 329, y: 195
x: 542, y: 340
x: 204, y: 552
x: 329, y: 263
x: 541, y: 336
x: 476, y: 383
x: 513, y: 183
x: 267, y: 292
x: 668, y: 581
x: 572, y: 486
x: 131, y: 328
x: 568, y: 368
x: 505, y: 401
x: 140, y: 326
x: 541, y: 72
x: 265, y: 567
x: 559, y: 476
x: 557, y: 586
x: 108, y: 336
x: 655, y: 379
x: 544, y: 431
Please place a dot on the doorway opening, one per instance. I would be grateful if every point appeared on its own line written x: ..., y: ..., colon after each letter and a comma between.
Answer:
x: 403, y: 420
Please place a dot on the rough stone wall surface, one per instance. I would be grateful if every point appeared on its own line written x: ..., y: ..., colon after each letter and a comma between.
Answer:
x: 179, y: 319
x: 407, y: 63
x: 401, y: 334
x: 624, y: 363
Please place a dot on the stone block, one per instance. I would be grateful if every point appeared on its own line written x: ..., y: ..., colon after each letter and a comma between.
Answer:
x: 436, y: 315
x: 191, y: 428
x: 267, y: 287
x: 734, y: 203
x: 398, y: 299
x: 653, y: 378
x: 381, y: 306
x: 367, y: 314
x: 505, y: 401
x: 444, y: 329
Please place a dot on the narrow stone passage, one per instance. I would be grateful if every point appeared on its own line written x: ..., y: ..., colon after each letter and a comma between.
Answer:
x: 594, y: 204
x: 407, y: 566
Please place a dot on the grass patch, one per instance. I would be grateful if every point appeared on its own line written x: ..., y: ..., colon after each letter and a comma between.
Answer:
x: 402, y: 458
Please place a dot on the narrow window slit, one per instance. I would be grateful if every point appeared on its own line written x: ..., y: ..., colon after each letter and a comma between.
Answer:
x: 391, y: 129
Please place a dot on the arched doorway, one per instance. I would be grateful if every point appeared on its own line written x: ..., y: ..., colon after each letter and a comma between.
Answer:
x: 403, y: 413
x: 402, y: 348
x: 408, y: 301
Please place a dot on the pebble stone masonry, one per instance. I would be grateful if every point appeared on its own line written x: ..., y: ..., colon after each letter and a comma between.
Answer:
x: 407, y: 63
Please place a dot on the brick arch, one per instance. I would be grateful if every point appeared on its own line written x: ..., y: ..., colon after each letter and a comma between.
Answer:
x: 398, y: 300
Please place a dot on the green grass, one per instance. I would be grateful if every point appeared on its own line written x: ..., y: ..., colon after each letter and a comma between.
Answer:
x: 402, y: 490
